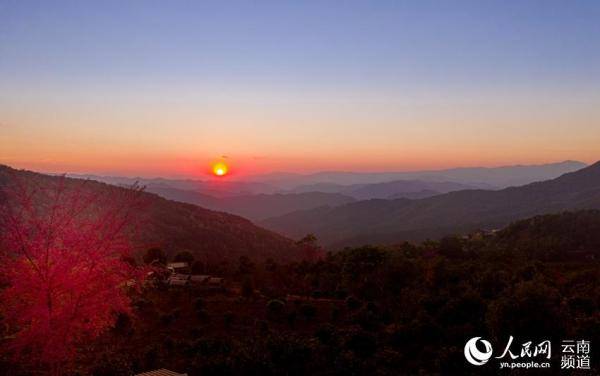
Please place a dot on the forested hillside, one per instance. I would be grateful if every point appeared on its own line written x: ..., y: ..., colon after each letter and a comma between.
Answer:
x: 175, y: 226
x: 407, y: 309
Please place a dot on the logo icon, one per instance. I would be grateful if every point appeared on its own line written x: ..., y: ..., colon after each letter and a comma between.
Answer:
x: 473, y: 355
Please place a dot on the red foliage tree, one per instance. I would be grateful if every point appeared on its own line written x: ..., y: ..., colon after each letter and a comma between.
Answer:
x: 63, y: 265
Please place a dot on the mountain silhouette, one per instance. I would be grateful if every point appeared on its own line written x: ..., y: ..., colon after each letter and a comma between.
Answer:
x: 255, y: 207
x: 481, y: 177
x: 175, y: 226
x: 388, y: 221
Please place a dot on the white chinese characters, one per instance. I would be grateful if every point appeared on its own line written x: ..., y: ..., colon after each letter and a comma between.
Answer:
x: 575, y: 354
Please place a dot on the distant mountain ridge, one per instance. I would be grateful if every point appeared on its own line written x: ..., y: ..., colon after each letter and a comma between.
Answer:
x: 255, y: 207
x: 220, y: 188
x: 489, y: 177
x: 263, y: 206
x: 277, y: 194
x: 337, y: 181
x: 385, y: 221
x: 402, y: 189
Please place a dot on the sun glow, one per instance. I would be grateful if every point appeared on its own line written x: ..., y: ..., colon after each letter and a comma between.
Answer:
x: 220, y: 169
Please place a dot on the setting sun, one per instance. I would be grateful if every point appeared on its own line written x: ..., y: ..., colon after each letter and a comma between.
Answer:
x: 220, y: 169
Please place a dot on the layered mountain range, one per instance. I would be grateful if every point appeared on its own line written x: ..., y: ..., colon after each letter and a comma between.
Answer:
x: 182, y: 215
x: 386, y: 221
x: 262, y: 197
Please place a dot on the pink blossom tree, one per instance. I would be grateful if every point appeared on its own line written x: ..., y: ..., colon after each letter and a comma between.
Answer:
x: 64, y: 248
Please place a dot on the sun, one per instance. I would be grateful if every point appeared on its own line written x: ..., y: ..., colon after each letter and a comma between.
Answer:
x: 220, y: 169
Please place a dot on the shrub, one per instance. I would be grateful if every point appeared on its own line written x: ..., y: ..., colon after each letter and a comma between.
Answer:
x: 275, y: 307
x: 353, y: 303
x: 142, y: 304
x: 155, y: 255
x: 367, y: 319
x: 362, y: 344
x: 167, y: 319
x: 308, y: 311
x: 534, y: 310
x: 211, y: 347
x: 123, y: 325
x: 203, y: 315
x: 291, y: 318
x: 336, y: 313
x: 261, y: 325
x: 451, y: 247
x: 184, y: 256
x: 198, y: 304
x: 247, y: 288
x: 198, y: 267
x: 109, y: 366
x: 228, y: 318
x: 168, y: 343
x: 325, y: 333
x: 372, y: 307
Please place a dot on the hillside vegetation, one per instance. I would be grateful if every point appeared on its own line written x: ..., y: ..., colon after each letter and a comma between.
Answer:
x: 407, y: 309
x: 174, y: 226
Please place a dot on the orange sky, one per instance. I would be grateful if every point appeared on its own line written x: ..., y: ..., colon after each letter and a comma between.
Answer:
x: 132, y: 88
x: 123, y: 133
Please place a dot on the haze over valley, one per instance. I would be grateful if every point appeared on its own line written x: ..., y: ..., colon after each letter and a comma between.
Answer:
x: 261, y: 197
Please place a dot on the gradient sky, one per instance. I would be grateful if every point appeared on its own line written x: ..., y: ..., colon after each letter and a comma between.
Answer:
x: 165, y: 87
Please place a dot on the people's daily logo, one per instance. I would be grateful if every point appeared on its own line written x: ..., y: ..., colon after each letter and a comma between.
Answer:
x: 474, y: 355
x: 528, y: 354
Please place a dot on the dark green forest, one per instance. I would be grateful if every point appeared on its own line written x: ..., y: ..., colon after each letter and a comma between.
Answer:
x: 405, y: 309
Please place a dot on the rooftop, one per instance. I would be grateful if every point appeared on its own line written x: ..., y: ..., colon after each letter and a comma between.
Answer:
x: 161, y: 372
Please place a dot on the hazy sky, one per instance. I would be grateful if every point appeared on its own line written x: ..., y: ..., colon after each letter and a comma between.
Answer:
x: 166, y: 87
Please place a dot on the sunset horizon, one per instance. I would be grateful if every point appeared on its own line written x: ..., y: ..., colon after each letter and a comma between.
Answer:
x: 396, y: 88
x: 205, y: 170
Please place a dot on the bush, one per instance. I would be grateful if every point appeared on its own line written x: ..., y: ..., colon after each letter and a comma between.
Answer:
x: 325, y: 333
x: 275, y: 307
x: 451, y: 247
x: 289, y: 353
x: 228, y: 318
x: 353, y: 303
x: 362, y: 344
x: 184, y: 256
x: 308, y: 311
x: 533, y: 310
x: 210, y: 347
x: 123, y: 325
x: 198, y: 304
x: 367, y: 319
x: 372, y: 307
x: 247, y: 288
x: 198, y: 267
x: 155, y: 255
x: 203, y: 315
x: 169, y: 318
x: 336, y: 313
x: 261, y: 325
x: 109, y: 366
x: 142, y: 304
x: 291, y: 318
